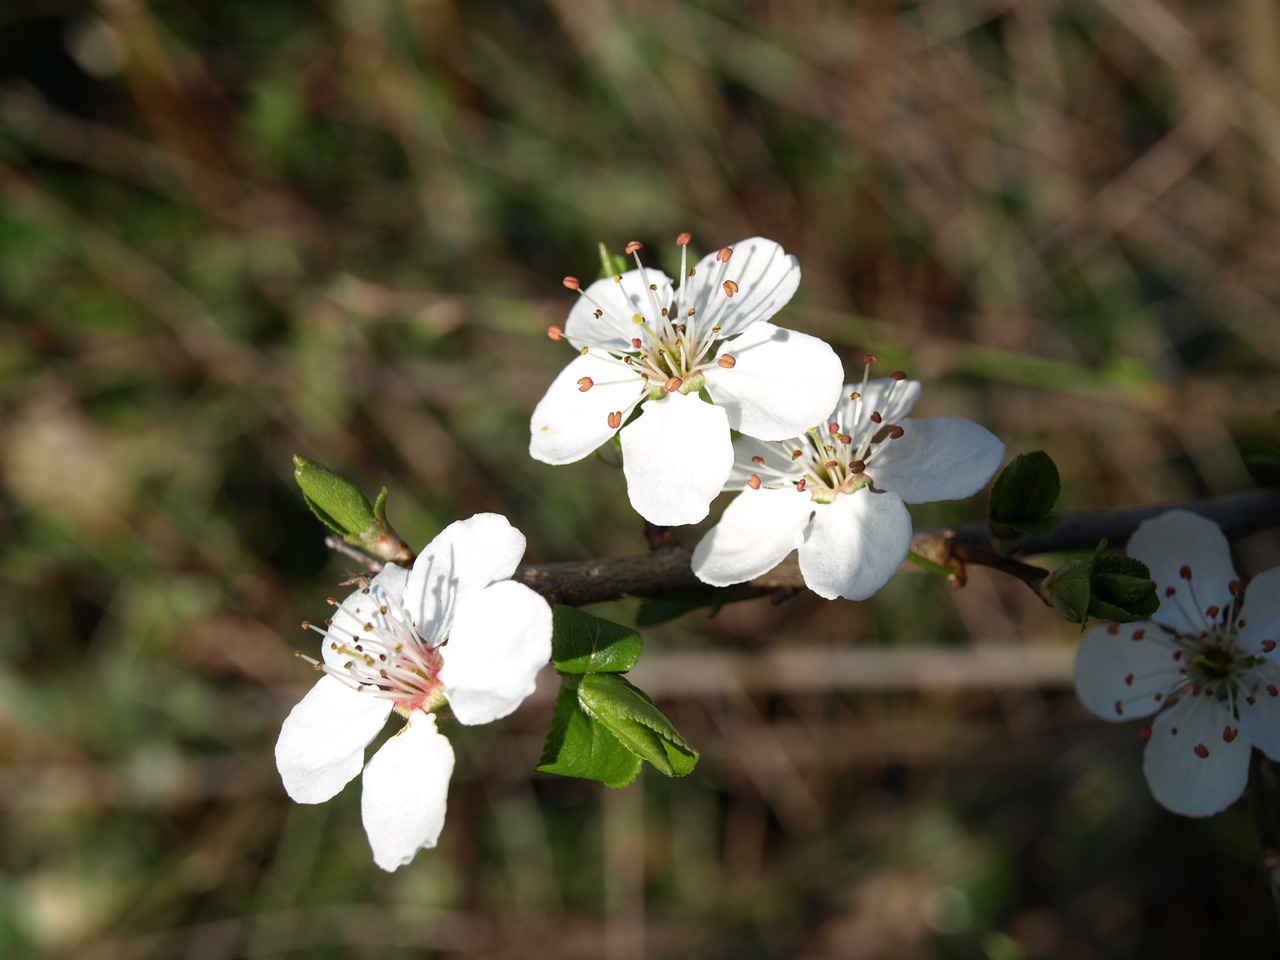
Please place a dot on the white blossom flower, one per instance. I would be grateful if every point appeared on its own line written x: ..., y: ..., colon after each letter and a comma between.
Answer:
x: 643, y: 342
x: 838, y: 493
x: 1204, y: 663
x: 453, y: 629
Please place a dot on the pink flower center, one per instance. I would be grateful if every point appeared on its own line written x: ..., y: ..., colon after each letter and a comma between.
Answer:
x: 372, y: 646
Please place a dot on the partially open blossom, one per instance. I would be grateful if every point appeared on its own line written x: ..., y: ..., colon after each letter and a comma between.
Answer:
x: 453, y: 630
x: 644, y: 343
x: 838, y: 493
x: 1204, y: 665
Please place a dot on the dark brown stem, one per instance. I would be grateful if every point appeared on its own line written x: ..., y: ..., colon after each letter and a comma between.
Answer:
x: 664, y: 573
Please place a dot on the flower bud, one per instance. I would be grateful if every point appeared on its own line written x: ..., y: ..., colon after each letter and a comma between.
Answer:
x: 340, y: 506
x: 1108, y: 586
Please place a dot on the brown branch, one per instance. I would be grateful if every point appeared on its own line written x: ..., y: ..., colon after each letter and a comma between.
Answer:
x: 665, y: 572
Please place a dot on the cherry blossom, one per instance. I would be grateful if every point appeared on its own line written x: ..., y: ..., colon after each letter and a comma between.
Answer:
x: 838, y: 493
x: 452, y: 630
x: 1203, y: 665
x: 644, y: 344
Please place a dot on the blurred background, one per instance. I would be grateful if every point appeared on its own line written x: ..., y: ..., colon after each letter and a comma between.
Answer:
x: 233, y: 231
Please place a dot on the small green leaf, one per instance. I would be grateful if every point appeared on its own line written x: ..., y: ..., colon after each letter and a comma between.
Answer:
x: 1022, y: 500
x: 641, y: 727
x: 580, y: 746
x: 341, y: 507
x: 335, y: 500
x: 1110, y: 587
x: 582, y: 643
x: 1122, y: 589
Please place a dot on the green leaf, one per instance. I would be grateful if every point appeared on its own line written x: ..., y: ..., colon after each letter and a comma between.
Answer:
x: 642, y: 728
x: 1022, y: 500
x: 1111, y: 587
x: 582, y: 643
x: 578, y: 745
x: 1122, y: 589
x: 335, y: 500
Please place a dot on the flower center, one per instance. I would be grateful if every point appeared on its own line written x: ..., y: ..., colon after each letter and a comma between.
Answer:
x: 671, y: 343
x: 832, y: 459
x: 371, y: 645
x: 1213, y: 663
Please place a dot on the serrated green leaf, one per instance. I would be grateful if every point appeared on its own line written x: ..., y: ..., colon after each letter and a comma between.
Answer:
x: 1022, y: 499
x: 1122, y: 589
x: 335, y: 500
x: 1112, y: 587
x: 641, y: 727
x: 580, y: 746
x: 582, y: 643
x: 1069, y: 589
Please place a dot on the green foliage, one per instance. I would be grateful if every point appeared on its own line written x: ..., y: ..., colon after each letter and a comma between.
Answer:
x: 1022, y: 500
x: 579, y: 745
x: 1108, y: 586
x: 603, y: 725
x: 336, y: 501
x: 582, y: 643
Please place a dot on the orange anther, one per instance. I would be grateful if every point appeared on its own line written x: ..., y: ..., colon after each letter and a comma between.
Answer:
x: 730, y: 288
x: 728, y: 361
x: 585, y: 384
x: 633, y: 246
x: 573, y: 283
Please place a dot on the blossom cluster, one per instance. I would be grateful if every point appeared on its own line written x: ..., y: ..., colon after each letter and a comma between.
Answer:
x: 822, y: 466
x: 704, y: 394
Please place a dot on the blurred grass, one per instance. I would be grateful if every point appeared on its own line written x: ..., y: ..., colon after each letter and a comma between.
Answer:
x: 234, y: 231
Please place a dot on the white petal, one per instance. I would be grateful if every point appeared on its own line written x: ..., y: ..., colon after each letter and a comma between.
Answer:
x: 676, y: 457
x: 782, y: 382
x: 942, y: 459
x: 406, y: 786
x: 619, y: 301
x: 501, y: 638
x: 892, y: 399
x: 767, y: 278
x: 463, y: 559
x: 1260, y: 719
x: 1261, y: 613
x: 855, y: 544
x: 1180, y: 779
x: 1119, y: 678
x: 1168, y: 542
x: 322, y: 741
x: 568, y: 424
x: 757, y: 531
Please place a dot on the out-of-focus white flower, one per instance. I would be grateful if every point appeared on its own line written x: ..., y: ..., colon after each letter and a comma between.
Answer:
x: 1204, y: 663
x: 838, y: 493
x: 643, y: 342
x: 454, y: 629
